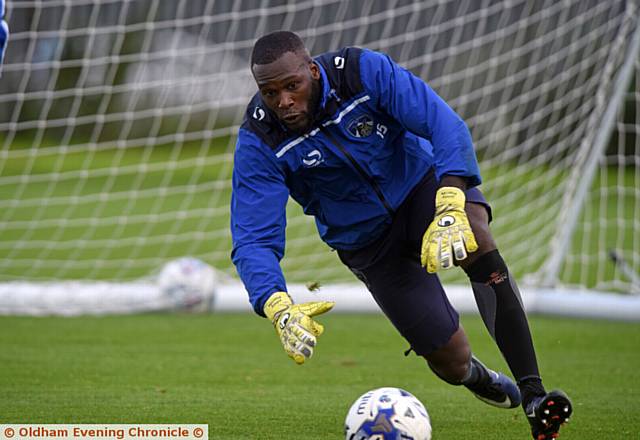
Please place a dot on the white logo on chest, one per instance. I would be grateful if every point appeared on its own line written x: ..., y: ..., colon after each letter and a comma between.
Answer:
x: 313, y: 159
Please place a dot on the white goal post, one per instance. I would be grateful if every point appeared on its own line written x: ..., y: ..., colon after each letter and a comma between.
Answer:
x: 118, y: 121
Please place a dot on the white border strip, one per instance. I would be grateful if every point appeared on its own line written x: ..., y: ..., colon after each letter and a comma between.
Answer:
x: 295, y: 142
x: 76, y: 299
x: 346, y: 110
x: 313, y: 132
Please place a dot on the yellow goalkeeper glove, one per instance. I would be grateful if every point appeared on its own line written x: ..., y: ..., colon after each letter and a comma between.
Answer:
x: 293, y: 323
x: 449, y: 230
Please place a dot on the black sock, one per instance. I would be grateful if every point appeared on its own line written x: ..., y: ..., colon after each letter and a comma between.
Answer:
x: 530, y: 387
x: 477, y: 376
x: 501, y: 309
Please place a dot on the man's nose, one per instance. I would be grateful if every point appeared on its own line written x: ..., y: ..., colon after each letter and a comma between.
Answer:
x: 286, y: 100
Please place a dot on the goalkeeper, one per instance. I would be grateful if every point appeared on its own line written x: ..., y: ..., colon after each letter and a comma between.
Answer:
x: 388, y: 171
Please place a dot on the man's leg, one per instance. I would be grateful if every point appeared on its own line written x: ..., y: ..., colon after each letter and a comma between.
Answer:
x: 501, y: 308
x: 500, y: 304
x: 416, y: 304
x: 487, y: 385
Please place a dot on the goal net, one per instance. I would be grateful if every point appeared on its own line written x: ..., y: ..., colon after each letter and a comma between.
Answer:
x: 119, y: 117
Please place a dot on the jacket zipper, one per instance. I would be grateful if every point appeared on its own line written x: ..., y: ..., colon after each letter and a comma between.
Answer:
x: 374, y: 185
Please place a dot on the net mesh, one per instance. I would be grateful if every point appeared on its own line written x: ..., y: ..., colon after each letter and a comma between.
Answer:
x: 118, y: 124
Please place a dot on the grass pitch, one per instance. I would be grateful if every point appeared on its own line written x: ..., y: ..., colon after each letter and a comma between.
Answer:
x: 230, y: 372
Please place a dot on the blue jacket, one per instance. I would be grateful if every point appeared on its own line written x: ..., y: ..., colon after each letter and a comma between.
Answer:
x: 379, y: 130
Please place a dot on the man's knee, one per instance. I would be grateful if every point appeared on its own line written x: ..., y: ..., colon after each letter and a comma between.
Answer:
x: 451, y: 363
x: 452, y: 371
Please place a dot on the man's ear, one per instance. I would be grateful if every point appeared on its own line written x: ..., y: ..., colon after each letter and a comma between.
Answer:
x: 315, y: 70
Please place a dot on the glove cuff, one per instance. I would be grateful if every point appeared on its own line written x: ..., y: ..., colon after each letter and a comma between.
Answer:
x: 449, y: 198
x: 276, y: 304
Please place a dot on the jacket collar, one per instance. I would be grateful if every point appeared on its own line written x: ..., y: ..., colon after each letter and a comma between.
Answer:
x: 325, y: 94
x: 329, y: 100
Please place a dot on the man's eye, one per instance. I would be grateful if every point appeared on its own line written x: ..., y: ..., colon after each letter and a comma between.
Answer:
x: 268, y: 93
x: 292, y: 86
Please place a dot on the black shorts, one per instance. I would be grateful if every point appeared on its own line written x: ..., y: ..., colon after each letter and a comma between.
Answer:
x: 412, y: 299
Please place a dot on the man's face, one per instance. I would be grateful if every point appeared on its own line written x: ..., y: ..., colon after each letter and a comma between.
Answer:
x: 289, y: 87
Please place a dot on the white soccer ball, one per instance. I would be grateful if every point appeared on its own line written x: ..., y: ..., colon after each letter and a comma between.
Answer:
x: 188, y: 284
x: 387, y: 414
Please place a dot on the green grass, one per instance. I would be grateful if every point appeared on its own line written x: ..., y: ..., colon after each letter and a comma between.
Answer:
x: 229, y: 371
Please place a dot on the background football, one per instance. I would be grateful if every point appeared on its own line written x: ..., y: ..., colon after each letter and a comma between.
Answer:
x: 189, y: 284
x: 387, y: 413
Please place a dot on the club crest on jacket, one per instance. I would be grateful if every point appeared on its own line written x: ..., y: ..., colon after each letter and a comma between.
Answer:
x: 361, y: 126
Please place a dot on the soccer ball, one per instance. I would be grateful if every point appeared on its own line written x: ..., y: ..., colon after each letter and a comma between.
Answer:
x: 387, y: 414
x: 188, y: 284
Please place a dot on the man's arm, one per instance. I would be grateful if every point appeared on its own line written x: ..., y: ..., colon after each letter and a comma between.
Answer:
x: 258, y: 219
x: 420, y: 110
x: 454, y: 181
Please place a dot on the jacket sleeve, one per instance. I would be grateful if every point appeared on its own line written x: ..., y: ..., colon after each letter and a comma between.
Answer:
x: 258, y: 219
x: 4, y: 33
x: 421, y: 111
